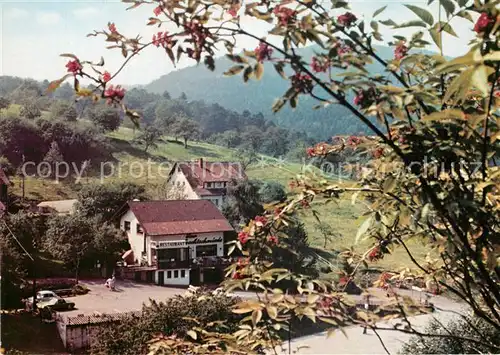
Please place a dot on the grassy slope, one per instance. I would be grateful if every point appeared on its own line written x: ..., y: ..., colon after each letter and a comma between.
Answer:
x: 343, y: 217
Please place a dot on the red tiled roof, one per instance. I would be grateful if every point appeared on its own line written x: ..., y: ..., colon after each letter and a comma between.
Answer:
x: 211, y: 172
x: 179, y: 217
x: 3, y: 178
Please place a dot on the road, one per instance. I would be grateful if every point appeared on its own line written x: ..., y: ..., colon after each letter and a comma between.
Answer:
x: 355, y: 342
x: 130, y: 296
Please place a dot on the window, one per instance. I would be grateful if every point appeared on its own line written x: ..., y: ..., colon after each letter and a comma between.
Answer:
x: 127, y: 226
x: 170, y: 254
x: 169, y: 274
x: 183, y: 273
x: 139, y: 228
x: 176, y: 274
x: 178, y: 183
x: 183, y: 183
x: 206, y: 250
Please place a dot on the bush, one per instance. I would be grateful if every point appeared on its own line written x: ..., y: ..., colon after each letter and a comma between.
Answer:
x: 79, y: 289
x: 131, y: 334
x: 471, y: 327
x: 272, y: 191
x: 51, y: 284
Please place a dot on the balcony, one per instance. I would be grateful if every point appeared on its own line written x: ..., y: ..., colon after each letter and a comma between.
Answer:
x: 187, y: 264
x: 175, y: 264
x: 210, y: 261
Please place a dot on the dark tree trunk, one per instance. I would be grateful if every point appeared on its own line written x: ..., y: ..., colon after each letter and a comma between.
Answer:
x: 185, y: 142
x: 77, y: 271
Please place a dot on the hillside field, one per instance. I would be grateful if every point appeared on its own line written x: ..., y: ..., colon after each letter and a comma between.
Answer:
x: 342, y: 217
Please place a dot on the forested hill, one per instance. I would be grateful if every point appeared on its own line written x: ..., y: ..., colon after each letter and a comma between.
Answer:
x: 258, y: 96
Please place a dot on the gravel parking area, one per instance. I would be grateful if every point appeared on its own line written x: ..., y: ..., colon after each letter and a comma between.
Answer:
x: 128, y: 296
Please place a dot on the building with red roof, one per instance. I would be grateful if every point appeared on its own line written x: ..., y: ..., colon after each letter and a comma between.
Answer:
x: 175, y: 242
x: 205, y: 180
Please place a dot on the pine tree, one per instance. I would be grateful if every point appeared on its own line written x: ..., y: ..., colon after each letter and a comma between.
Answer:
x: 53, y: 157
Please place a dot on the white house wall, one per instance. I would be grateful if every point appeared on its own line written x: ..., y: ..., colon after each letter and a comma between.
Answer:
x: 136, y: 241
x: 179, y: 180
x: 216, y: 200
x: 177, y: 281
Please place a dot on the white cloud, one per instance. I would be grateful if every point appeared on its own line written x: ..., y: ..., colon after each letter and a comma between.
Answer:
x: 84, y: 12
x: 15, y: 13
x: 48, y: 18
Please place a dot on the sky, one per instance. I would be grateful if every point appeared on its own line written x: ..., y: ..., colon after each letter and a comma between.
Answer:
x: 34, y: 33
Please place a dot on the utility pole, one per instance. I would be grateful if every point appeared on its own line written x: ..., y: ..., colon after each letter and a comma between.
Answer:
x: 32, y: 262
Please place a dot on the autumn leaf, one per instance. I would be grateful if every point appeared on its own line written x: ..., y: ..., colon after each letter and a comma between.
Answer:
x: 258, y: 70
x: 54, y: 85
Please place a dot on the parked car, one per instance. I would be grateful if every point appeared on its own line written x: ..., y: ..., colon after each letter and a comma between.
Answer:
x: 56, y: 304
x: 40, y: 297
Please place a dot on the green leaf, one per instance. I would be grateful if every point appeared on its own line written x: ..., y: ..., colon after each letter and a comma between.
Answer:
x: 170, y: 54
x: 425, y: 211
x: 462, y: 3
x: 192, y: 334
x: 379, y: 11
x: 374, y: 25
x: 425, y: 15
x: 480, y: 78
x: 388, y: 23
x: 448, y: 6
x: 446, y: 27
x: 389, y: 184
x: 258, y: 70
x: 444, y: 115
x: 312, y: 298
x: 237, y: 58
x: 234, y: 70
x: 279, y: 69
x: 247, y: 73
x: 460, y: 84
x: 466, y: 15
x: 363, y: 229
x: 467, y: 59
x: 494, y: 57
x: 256, y: 316
x: 328, y: 320
x: 272, y: 311
x: 278, y: 105
x: 413, y: 23
x: 436, y: 37
x: 69, y: 55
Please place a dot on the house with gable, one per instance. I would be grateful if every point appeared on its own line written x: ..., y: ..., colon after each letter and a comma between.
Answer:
x: 175, y: 242
x: 205, y: 180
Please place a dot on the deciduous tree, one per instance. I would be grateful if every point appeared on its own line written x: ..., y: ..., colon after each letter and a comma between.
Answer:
x: 149, y: 138
x: 437, y: 121
x: 108, y: 119
x: 30, y: 111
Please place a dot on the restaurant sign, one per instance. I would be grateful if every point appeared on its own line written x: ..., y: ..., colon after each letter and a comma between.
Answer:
x: 185, y: 243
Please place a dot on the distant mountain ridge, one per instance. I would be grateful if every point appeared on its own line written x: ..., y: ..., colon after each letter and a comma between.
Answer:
x: 197, y: 82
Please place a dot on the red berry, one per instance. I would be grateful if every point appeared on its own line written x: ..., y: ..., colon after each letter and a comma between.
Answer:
x: 483, y: 23
x: 347, y: 19
x: 74, y: 66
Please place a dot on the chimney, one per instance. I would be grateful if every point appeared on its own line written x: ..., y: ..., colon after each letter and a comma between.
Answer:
x: 200, y: 162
